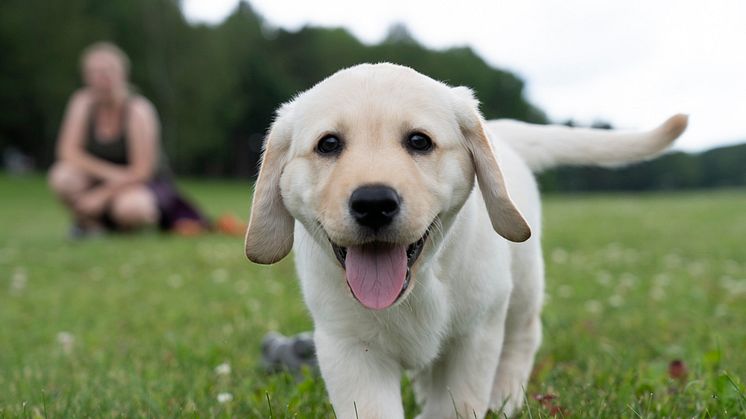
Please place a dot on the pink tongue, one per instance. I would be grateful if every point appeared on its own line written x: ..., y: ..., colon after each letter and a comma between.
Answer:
x: 376, y: 273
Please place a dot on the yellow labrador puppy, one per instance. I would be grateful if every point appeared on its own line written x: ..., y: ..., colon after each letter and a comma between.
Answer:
x: 404, y: 263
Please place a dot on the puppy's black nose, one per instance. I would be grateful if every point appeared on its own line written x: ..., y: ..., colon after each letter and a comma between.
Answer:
x: 374, y: 206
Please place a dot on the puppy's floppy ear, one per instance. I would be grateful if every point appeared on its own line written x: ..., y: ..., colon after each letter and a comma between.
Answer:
x: 505, y: 217
x: 269, y: 237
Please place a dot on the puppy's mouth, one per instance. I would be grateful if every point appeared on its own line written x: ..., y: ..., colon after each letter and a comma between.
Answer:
x: 379, y: 273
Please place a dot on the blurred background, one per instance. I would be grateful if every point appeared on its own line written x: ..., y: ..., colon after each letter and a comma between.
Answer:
x: 646, y: 292
x: 216, y: 71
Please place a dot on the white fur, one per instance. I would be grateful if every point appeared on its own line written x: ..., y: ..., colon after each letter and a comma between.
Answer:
x: 469, y: 328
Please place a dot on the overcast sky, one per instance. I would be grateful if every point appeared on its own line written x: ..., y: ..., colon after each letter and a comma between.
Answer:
x: 630, y: 62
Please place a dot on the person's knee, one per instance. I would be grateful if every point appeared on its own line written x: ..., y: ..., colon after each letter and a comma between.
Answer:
x: 134, y: 208
x: 66, y: 180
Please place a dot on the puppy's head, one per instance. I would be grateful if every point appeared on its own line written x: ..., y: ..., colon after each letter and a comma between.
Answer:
x: 371, y: 161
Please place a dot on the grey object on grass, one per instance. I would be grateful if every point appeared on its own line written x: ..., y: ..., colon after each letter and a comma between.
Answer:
x: 288, y: 353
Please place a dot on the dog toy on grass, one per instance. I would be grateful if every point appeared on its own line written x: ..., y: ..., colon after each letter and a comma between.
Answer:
x: 288, y: 353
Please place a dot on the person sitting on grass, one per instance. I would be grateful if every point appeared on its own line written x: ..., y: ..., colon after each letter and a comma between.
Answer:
x: 110, y: 171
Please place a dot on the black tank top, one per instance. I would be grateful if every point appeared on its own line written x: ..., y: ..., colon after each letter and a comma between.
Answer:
x: 115, y: 150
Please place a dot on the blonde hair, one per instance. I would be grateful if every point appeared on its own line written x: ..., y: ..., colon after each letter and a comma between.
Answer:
x: 107, y: 47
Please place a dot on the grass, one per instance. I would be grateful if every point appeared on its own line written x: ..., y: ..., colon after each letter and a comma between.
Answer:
x: 135, y: 325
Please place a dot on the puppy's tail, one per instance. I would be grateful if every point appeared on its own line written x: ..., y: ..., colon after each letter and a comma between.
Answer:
x: 547, y: 146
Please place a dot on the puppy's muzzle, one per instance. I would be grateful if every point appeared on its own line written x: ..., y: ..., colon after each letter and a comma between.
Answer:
x: 374, y: 206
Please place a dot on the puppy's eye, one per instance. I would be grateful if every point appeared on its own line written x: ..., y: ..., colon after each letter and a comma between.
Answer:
x: 419, y: 142
x: 329, y: 144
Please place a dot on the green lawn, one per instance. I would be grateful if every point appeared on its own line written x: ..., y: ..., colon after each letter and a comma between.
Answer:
x: 136, y: 325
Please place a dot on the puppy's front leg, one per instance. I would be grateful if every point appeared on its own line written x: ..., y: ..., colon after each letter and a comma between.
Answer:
x: 361, y: 383
x: 458, y: 384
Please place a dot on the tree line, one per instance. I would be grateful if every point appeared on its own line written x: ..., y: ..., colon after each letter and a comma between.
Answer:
x: 723, y: 167
x: 216, y: 86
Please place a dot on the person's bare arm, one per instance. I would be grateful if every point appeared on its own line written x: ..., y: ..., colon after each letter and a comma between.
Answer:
x: 70, y: 144
x: 143, y: 139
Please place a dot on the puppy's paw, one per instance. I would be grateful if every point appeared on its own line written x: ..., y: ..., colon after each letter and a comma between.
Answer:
x: 508, y: 395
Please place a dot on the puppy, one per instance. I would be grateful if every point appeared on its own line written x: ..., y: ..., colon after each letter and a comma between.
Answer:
x: 370, y: 177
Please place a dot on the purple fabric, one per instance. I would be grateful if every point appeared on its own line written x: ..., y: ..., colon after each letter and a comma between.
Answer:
x: 172, y: 206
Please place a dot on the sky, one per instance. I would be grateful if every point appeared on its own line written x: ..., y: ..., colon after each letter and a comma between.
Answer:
x: 629, y: 62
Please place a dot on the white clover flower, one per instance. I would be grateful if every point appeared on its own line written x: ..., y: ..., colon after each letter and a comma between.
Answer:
x: 732, y: 267
x: 593, y: 306
x: 616, y: 300
x: 673, y: 260
x: 696, y: 268
x: 627, y: 280
x: 175, y: 281
x: 733, y: 286
x: 18, y: 280
x: 242, y: 286
x: 565, y: 291
x: 560, y: 255
x: 657, y: 293
x: 219, y: 276
x: 614, y: 252
x: 603, y: 278
x: 66, y: 341
x: 661, y: 280
x: 223, y: 369
x: 224, y: 397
